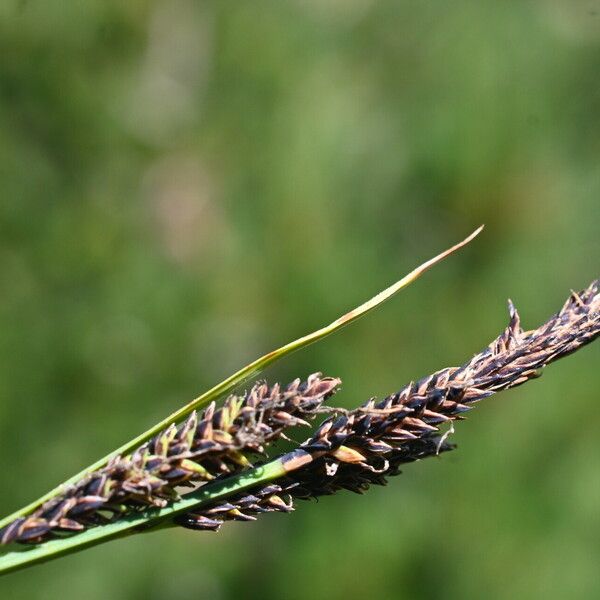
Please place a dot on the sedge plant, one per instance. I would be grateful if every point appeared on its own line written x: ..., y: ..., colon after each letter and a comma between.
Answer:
x: 207, y: 464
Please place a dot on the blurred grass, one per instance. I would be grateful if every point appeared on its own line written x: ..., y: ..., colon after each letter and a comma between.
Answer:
x: 185, y: 186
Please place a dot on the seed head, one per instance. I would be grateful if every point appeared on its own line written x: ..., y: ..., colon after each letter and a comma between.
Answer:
x: 356, y: 449
x: 221, y: 441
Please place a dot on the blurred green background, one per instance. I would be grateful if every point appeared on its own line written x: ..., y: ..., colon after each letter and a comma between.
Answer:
x: 186, y: 185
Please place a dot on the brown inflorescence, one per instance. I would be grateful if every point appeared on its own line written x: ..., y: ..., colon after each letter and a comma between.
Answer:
x: 350, y: 450
x: 222, y: 441
x: 353, y: 450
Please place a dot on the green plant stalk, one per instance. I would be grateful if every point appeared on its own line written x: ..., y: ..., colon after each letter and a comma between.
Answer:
x: 152, y: 519
x: 249, y: 371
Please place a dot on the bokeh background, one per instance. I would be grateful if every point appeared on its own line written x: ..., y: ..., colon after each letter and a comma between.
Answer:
x: 186, y: 185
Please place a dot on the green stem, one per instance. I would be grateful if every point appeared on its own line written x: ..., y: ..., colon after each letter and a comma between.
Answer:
x: 150, y: 520
x: 247, y: 372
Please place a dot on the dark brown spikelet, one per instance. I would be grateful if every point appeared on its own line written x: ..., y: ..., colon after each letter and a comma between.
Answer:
x: 223, y: 440
x: 356, y: 449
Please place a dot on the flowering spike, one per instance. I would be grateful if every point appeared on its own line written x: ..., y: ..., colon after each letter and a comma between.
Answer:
x: 220, y: 442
